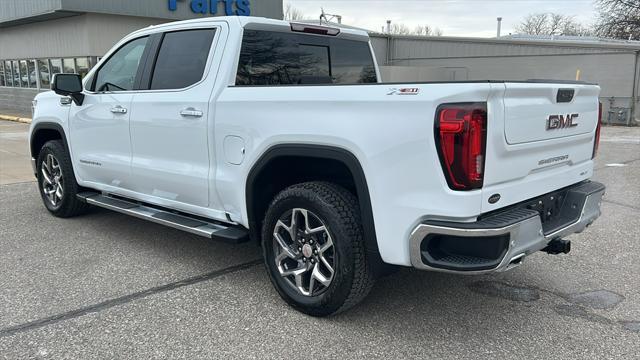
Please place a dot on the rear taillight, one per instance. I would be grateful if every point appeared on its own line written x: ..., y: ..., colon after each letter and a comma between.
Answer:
x: 596, y: 142
x: 461, y: 135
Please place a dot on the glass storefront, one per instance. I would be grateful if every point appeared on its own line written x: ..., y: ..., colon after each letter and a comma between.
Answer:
x: 37, y: 73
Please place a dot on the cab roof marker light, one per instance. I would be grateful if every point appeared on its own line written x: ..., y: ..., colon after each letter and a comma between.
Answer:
x: 314, y: 29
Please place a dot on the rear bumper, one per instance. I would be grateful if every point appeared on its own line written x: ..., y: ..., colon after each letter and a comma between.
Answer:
x: 500, y: 241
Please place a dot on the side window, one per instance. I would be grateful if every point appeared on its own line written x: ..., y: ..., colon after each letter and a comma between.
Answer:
x: 182, y: 59
x: 351, y: 62
x: 119, y: 72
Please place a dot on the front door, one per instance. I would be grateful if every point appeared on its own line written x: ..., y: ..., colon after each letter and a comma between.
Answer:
x: 99, y: 128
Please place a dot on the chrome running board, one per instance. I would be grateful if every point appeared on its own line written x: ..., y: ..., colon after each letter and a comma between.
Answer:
x: 191, y: 224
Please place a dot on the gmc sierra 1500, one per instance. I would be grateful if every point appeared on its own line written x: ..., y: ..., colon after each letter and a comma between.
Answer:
x: 239, y: 128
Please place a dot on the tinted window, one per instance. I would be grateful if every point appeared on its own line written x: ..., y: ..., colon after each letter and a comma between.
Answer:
x: 119, y: 72
x: 182, y: 59
x: 274, y: 58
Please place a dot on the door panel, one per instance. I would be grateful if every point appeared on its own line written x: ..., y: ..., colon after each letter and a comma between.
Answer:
x: 170, y: 124
x: 100, y: 138
x: 170, y: 151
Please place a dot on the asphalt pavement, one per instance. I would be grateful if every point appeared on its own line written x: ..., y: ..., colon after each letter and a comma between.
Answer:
x: 110, y: 286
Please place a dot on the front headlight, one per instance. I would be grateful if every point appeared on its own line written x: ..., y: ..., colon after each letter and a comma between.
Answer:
x: 33, y: 107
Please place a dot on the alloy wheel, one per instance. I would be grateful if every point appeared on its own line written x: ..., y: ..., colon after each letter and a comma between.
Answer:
x: 305, y: 255
x: 52, y: 180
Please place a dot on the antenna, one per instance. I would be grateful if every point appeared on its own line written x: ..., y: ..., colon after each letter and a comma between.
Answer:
x: 328, y: 17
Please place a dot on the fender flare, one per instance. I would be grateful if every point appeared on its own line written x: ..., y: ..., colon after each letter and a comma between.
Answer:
x: 47, y: 126
x: 322, y: 152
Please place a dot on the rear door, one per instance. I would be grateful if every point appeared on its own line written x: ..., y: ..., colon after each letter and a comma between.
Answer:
x: 540, y: 138
x: 170, y: 127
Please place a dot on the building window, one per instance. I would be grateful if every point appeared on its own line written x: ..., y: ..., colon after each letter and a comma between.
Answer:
x: 43, y: 69
x: 8, y: 73
x: 31, y: 70
x: 82, y: 66
x: 24, y: 74
x: 68, y: 66
x: 37, y: 73
x: 2, y: 83
x: 56, y: 66
x: 16, y: 73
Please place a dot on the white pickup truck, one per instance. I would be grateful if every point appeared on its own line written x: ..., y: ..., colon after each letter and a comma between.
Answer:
x: 241, y: 128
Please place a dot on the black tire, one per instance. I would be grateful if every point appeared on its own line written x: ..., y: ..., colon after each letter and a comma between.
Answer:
x: 338, y: 210
x: 68, y: 205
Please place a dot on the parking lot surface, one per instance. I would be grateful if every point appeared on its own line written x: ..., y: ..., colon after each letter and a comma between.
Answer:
x: 106, y: 285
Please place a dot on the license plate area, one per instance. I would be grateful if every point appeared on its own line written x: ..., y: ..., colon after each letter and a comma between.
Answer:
x: 556, y: 209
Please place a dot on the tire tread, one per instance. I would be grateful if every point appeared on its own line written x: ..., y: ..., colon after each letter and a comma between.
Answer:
x: 72, y: 206
x: 347, y: 207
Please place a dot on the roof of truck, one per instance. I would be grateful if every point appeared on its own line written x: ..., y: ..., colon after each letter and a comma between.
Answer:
x: 255, y: 21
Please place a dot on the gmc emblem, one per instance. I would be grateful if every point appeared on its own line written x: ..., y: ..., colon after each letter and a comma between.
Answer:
x: 561, y: 122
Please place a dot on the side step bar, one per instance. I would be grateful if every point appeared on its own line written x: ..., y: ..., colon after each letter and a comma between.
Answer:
x: 214, y: 230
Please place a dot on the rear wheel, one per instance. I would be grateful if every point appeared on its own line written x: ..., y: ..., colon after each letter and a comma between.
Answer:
x: 57, y: 182
x: 314, y: 250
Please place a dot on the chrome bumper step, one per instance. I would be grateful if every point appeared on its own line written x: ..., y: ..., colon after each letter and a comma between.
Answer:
x: 500, y: 241
x: 195, y: 225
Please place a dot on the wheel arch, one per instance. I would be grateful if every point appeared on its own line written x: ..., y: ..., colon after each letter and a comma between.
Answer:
x: 336, y: 155
x: 43, y: 132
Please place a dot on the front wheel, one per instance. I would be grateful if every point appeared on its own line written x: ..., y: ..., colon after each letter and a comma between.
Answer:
x: 313, y: 248
x: 57, y: 182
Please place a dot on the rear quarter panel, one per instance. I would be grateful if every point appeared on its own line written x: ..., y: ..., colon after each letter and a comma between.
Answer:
x: 391, y: 135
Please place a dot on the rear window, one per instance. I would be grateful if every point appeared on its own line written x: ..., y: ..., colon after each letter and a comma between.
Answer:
x: 277, y: 58
x: 182, y: 58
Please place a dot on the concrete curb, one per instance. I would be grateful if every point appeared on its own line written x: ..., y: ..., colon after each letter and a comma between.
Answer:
x: 15, y: 118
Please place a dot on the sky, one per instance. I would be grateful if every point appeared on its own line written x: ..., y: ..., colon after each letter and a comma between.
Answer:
x: 475, y: 18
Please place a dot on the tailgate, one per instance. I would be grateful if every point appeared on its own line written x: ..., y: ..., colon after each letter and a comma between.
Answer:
x: 539, y: 139
x: 535, y: 112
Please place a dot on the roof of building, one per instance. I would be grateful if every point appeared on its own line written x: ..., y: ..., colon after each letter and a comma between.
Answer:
x: 565, y: 38
x: 511, y: 40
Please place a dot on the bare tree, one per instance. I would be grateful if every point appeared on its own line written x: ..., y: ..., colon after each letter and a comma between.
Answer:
x: 619, y: 19
x: 426, y: 30
x: 533, y: 24
x: 292, y: 14
x: 400, y: 29
x: 421, y: 30
x: 551, y: 24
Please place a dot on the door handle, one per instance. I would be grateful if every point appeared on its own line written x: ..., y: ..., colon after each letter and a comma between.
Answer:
x: 118, y: 110
x: 191, y: 112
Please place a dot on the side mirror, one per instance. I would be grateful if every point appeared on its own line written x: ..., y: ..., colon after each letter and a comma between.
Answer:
x: 68, y: 85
